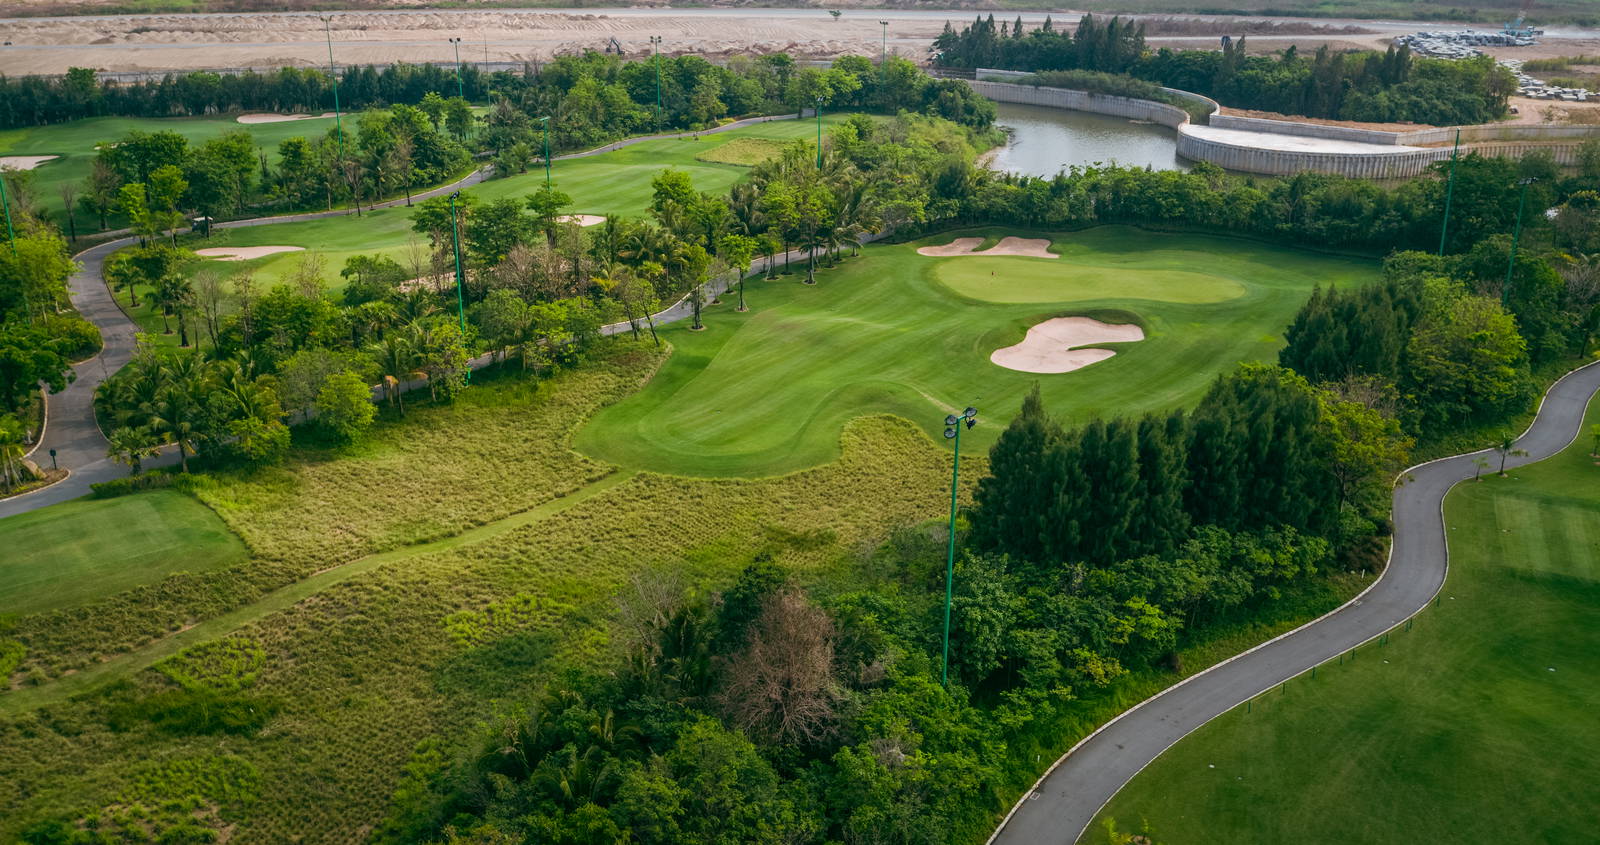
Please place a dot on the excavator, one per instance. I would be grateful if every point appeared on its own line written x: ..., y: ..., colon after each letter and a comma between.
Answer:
x: 1516, y: 29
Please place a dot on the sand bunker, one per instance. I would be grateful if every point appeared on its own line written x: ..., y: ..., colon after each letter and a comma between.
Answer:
x: 23, y: 162
x: 959, y: 246
x: 244, y: 253
x: 1050, y: 347
x: 1024, y: 247
x: 267, y: 117
x: 583, y: 219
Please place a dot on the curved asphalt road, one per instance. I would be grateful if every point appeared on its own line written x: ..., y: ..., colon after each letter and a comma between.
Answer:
x: 70, y: 426
x: 1064, y: 802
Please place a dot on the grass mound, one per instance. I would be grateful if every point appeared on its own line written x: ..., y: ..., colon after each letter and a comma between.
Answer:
x: 743, y: 151
x: 1423, y: 739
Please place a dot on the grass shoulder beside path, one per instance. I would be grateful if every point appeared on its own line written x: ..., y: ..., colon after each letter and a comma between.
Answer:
x: 1475, y: 726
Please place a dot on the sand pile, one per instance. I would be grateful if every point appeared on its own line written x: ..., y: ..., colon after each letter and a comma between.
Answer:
x: 263, y: 117
x: 959, y: 246
x: 244, y: 253
x: 582, y: 219
x: 23, y: 162
x: 1053, y: 346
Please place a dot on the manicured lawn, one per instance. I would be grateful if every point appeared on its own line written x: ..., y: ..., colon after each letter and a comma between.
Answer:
x: 1477, y: 726
x: 75, y: 144
x: 88, y: 549
x: 769, y: 390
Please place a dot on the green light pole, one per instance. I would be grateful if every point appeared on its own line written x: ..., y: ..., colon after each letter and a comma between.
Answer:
x: 338, y: 121
x: 546, y: 122
x: 883, y: 64
x: 655, y: 45
x: 952, y: 431
x: 461, y: 90
x: 1449, y: 192
x: 819, y: 133
x: 5, y: 204
x: 461, y: 307
x: 1516, y: 234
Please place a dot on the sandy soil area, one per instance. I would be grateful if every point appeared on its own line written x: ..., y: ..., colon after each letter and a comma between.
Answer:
x: 1529, y: 111
x: 1024, y: 247
x: 259, y: 117
x: 23, y: 162
x: 584, y: 220
x: 244, y: 253
x: 1053, y: 346
x: 168, y: 41
x: 959, y: 246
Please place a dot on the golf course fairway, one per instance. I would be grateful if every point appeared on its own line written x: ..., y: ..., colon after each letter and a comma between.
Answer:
x: 769, y: 390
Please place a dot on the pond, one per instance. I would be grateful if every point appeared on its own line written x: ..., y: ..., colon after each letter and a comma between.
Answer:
x: 1045, y: 140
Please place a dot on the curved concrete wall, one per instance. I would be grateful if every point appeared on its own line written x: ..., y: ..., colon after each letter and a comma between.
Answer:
x: 1412, y: 159
x: 1063, y: 98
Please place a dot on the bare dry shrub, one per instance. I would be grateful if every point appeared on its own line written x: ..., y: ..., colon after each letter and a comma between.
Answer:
x: 782, y: 686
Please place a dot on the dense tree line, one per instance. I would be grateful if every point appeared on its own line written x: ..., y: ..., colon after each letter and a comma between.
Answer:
x: 1364, y: 85
x: 1444, y: 343
x: 39, y: 100
x: 1307, y: 208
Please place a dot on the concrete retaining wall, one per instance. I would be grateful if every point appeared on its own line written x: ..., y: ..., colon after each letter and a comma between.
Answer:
x: 1306, y: 130
x: 1249, y: 159
x: 1062, y: 98
x: 1415, y: 137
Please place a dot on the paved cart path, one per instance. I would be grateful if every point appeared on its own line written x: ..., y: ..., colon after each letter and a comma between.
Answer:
x: 1067, y: 798
x: 71, y: 428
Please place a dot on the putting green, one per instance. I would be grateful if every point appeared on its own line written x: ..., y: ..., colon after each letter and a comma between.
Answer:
x: 79, y: 551
x: 769, y: 390
x: 1010, y: 279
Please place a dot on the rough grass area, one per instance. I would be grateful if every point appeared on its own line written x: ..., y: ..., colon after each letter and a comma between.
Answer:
x: 901, y: 333
x: 501, y: 449
x: 743, y: 151
x: 1476, y: 726
x: 363, y: 671
x: 88, y: 549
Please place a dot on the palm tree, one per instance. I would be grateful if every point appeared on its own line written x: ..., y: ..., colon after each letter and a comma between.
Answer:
x: 131, y: 446
x: 11, y: 452
x: 397, y: 361
x: 177, y: 412
x: 1478, y: 466
x: 1506, y: 448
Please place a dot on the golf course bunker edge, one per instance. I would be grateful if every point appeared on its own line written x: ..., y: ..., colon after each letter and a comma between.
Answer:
x: 1060, y: 345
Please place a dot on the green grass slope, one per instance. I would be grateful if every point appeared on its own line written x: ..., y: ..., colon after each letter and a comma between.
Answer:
x: 83, y: 550
x: 1476, y: 726
x: 895, y: 332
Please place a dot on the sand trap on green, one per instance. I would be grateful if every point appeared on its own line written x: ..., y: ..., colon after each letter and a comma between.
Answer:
x: 1058, y: 345
x: 244, y: 253
x: 1017, y: 280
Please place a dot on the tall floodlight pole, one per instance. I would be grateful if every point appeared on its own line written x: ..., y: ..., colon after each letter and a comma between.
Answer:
x: 338, y: 122
x: 1516, y: 234
x: 819, y: 133
x: 952, y: 431
x: 5, y: 204
x: 655, y: 46
x: 461, y: 306
x: 883, y: 63
x: 461, y: 90
x: 1449, y: 192
x: 546, y: 122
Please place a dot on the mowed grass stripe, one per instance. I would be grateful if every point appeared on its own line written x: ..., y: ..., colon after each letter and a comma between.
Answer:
x: 124, y: 665
x: 1476, y: 726
x: 78, y: 551
x: 767, y: 391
